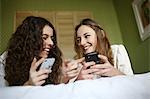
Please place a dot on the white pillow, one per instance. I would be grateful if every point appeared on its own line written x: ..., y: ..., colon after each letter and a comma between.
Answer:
x: 3, y: 82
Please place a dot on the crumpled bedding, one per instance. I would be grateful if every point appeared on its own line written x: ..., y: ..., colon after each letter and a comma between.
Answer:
x: 119, y: 87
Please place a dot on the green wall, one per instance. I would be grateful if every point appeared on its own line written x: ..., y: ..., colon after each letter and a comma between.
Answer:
x: 149, y: 53
x: 0, y: 22
x: 103, y: 11
x: 116, y: 16
x: 0, y: 16
x: 138, y: 50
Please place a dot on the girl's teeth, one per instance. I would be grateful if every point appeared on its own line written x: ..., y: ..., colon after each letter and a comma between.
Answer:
x: 85, y: 47
x: 46, y: 49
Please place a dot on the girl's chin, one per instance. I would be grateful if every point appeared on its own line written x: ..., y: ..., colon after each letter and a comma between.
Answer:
x: 88, y: 51
x: 44, y: 55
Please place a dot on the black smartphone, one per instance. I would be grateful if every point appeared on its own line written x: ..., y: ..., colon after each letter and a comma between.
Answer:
x: 93, y: 56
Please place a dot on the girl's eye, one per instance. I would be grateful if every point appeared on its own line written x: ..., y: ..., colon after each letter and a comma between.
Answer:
x: 44, y: 37
x: 86, y: 36
x: 78, y: 40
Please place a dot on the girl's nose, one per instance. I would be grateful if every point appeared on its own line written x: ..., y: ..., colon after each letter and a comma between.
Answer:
x: 83, y: 41
x: 50, y: 41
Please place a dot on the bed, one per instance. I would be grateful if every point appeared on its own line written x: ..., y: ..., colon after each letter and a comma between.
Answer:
x: 119, y: 87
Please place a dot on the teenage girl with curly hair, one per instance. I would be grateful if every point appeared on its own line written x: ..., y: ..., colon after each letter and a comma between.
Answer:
x: 28, y: 47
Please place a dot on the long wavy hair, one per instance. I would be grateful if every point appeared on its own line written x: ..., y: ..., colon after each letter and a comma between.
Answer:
x: 26, y: 43
x: 103, y: 45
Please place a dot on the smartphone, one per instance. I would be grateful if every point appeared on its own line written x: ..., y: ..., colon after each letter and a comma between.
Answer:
x: 48, y: 63
x: 93, y: 56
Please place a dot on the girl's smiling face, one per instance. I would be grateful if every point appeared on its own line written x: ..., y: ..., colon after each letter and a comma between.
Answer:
x: 87, y: 38
x: 48, y: 43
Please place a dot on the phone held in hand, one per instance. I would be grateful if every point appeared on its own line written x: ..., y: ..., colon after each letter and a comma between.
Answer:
x: 48, y: 63
x: 93, y: 56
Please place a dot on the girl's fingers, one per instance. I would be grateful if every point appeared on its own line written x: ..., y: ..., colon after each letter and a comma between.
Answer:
x: 89, y: 71
x: 72, y: 66
x: 39, y: 62
x: 72, y: 72
x: 37, y: 77
x: 102, y: 71
x: 87, y: 76
x: 101, y: 66
x: 88, y: 64
x: 40, y: 83
x: 80, y: 60
x: 43, y: 71
x: 42, y: 77
x: 35, y: 64
x: 33, y: 67
x: 103, y: 58
x: 71, y: 75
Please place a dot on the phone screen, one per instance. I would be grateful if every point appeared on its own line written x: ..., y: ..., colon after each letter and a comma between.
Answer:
x: 48, y: 63
x: 93, y: 56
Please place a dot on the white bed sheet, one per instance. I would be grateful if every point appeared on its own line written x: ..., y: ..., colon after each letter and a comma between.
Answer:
x: 120, y: 87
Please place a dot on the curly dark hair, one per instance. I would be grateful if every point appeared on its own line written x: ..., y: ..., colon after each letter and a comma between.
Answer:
x: 24, y: 45
x: 103, y: 44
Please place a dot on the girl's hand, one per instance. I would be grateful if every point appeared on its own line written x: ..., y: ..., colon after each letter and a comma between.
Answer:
x: 72, y: 68
x: 87, y: 73
x: 106, y: 69
x: 37, y: 77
